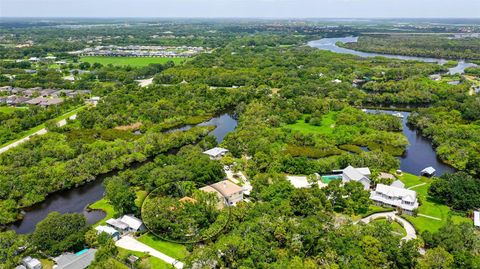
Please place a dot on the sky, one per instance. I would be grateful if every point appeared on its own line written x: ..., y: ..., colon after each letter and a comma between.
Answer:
x: 243, y: 8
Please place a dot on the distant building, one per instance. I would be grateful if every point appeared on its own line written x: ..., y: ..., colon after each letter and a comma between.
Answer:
x: 357, y: 174
x: 79, y: 260
x: 93, y: 100
x: 216, y: 153
x: 34, y: 59
x: 114, y: 234
x: 435, y: 77
x: 31, y: 263
x: 336, y: 81
x: 393, y: 196
x: 229, y: 192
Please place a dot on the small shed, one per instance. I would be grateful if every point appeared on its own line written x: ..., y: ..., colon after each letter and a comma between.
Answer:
x: 429, y: 172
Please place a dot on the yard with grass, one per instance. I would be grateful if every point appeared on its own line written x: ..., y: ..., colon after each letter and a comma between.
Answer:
x: 10, y: 109
x: 326, y: 127
x: 106, y: 207
x: 154, y: 262
x: 428, y: 206
x: 174, y: 250
x: 132, y: 61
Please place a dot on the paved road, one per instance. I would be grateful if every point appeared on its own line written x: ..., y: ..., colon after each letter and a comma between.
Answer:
x: 411, y: 234
x: 130, y: 243
x: 39, y: 132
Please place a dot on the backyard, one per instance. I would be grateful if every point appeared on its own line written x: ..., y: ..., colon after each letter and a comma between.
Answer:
x: 431, y: 214
x: 326, y: 127
x: 132, y: 61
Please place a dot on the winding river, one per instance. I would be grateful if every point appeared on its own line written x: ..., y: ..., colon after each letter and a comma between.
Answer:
x: 76, y: 200
x: 330, y: 44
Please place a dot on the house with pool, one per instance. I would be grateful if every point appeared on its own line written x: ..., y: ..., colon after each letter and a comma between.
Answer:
x: 361, y: 175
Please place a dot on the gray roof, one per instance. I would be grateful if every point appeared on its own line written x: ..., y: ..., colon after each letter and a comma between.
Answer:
x: 429, y: 170
x: 398, y: 184
x: 74, y: 261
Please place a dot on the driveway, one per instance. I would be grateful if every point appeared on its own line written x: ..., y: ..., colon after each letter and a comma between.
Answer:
x: 411, y: 234
x: 130, y: 243
x: 39, y: 132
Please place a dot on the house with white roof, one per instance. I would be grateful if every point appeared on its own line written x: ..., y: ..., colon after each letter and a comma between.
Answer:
x: 114, y: 234
x: 216, y: 153
x: 127, y: 223
x: 361, y: 175
x: 31, y: 263
x: 429, y: 171
x: 394, y: 196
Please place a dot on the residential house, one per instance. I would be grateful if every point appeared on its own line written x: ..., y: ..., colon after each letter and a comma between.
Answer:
x: 79, y: 260
x: 300, y: 182
x: 229, y: 192
x: 127, y: 223
x: 401, y: 198
x: 216, y: 153
x: 16, y: 100
x: 361, y: 175
x: 51, y: 102
x: 6, y: 89
x: 31, y: 263
x: 93, y: 100
x: 47, y: 92
x: 114, y: 234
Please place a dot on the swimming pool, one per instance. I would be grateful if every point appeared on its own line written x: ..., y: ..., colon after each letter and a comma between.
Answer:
x: 327, y: 178
x: 81, y: 252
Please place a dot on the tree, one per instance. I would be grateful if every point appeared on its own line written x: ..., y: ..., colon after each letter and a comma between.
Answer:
x: 437, y: 258
x: 58, y: 233
x: 120, y: 195
x: 10, y: 243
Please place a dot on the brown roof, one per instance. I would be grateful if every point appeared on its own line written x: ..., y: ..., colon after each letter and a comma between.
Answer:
x: 226, y: 188
x: 187, y: 199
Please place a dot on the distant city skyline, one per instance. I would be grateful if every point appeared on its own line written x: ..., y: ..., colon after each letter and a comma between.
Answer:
x: 243, y: 8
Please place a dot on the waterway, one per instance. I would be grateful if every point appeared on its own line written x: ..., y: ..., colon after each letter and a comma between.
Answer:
x: 76, y: 200
x: 420, y: 153
x: 330, y: 44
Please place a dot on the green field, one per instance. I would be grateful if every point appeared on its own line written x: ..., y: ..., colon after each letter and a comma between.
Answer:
x: 327, y: 126
x: 132, y: 61
x: 428, y: 206
x: 154, y: 262
x: 10, y: 109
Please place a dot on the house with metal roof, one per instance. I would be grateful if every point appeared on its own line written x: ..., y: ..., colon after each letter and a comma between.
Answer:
x: 394, y: 196
x: 79, y: 260
x: 429, y: 172
x: 216, y: 153
x: 114, y: 234
x: 361, y: 175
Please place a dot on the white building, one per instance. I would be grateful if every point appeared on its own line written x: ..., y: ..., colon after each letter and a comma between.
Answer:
x: 31, y: 263
x: 429, y: 171
x: 216, y: 153
x: 476, y: 219
x: 227, y: 191
x: 114, y: 234
x: 404, y: 199
x: 127, y: 223
x: 357, y: 174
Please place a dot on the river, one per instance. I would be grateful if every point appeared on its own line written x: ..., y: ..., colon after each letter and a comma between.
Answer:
x: 420, y: 153
x: 76, y: 200
x: 330, y: 45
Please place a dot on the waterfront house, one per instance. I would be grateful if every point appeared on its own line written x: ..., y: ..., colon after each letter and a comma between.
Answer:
x: 393, y: 196
x: 428, y: 172
x: 31, y: 263
x: 216, y: 153
x: 127, y: 223
x: 228, y: 192
x: 114, y: 234
x: 361, y: 175
x: 79, y: 260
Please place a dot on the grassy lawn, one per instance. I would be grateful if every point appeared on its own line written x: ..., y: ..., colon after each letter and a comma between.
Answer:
x: 155, y: 263
x: 173, y: 250
x: 132, y: 61
x: 372, y: 209
x: 105, y: 207
x: 10, y: 109
x: 47, y: 263
x: 41, y: 126
x: 327, y: 126
x: 428, y: 206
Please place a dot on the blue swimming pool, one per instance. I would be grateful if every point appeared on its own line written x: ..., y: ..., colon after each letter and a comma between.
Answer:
x: 81, y: 252
x: 327, y: 178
